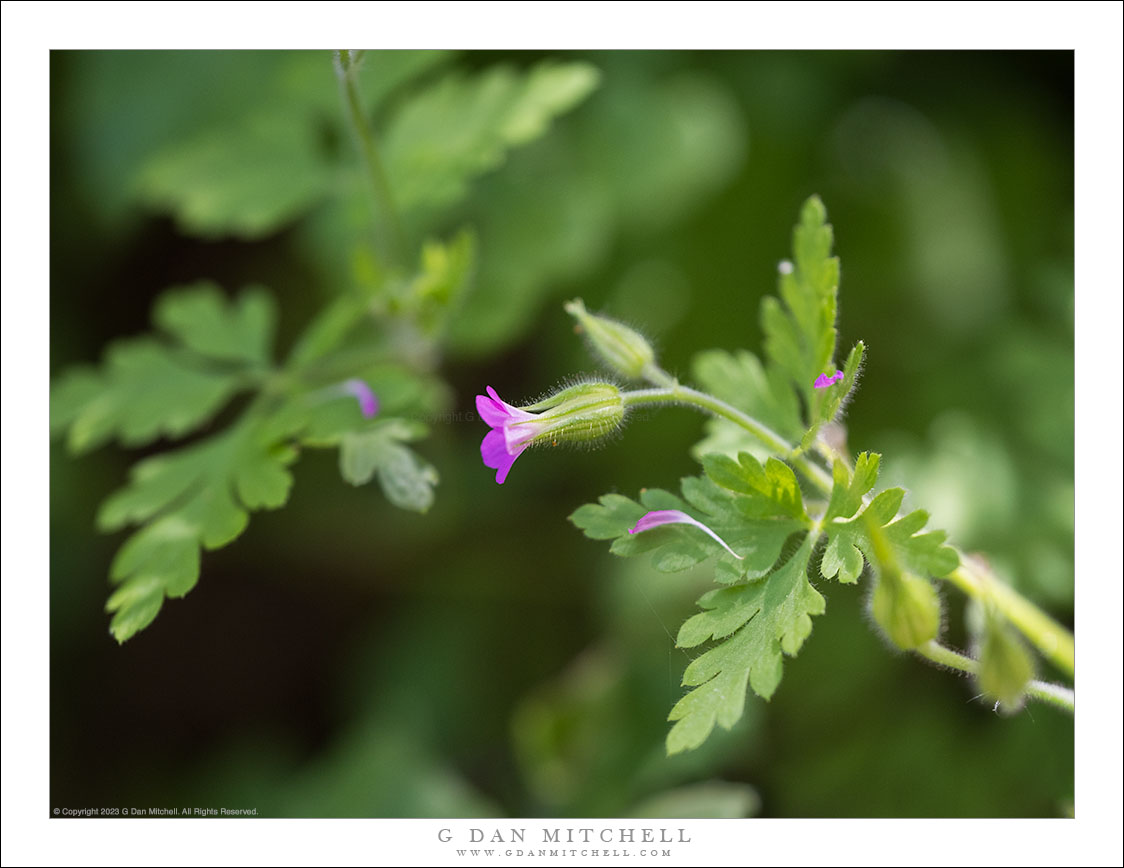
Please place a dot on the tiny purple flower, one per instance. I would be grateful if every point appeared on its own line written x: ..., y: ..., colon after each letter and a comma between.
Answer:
x: 674, y: 516
x: 505, y: 442
x: 368, y: 401
x: 823, y: 380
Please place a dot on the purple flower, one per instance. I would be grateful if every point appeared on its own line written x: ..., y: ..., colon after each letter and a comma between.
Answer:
x: 368, y: 401
x: 512, y: 432
x: 578, y: 414
x: 674, y: 516
x: 823, y: 380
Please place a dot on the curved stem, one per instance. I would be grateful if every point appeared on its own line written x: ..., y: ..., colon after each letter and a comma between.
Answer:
x: 679, y: 394
x: 1044, y: 691
x: 380, y: 186
x: 1052, y: 640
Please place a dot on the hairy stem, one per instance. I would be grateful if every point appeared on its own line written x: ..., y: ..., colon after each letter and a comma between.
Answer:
x: 346, y: 69
x: 680, y: 394
x: 1044, y: 691
x: 1052, y: 640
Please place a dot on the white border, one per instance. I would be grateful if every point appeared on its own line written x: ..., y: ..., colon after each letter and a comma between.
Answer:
x: 31, y: 29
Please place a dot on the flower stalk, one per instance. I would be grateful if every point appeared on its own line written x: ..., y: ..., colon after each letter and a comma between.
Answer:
x: 347, y: 66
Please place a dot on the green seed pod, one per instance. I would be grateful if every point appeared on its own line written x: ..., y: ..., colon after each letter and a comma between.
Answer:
x: 624, y: 350
x: 907, y: 609
x: 1005, y: 664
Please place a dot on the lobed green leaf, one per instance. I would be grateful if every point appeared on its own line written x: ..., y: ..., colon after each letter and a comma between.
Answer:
x: 246, y: 180
x: 763, y: 621
x: 800, y: 333
x: 202, y: 319
x: 406, y: 480
x: 196, y: 498
x: 849, y: 535
x: 462, y: 127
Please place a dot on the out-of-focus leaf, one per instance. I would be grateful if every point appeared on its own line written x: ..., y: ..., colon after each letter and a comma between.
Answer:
x: 742, y: 381
x: 196, y: 498
x: 247, y: 180
x: 203, y: 321
x: 144, y: 390
x: 637, y: 158
x: 462, y: 127
x: 406, y: 480
x: 710, y: 799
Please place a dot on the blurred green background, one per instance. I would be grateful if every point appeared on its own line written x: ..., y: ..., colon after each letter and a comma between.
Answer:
x: 344, y: 658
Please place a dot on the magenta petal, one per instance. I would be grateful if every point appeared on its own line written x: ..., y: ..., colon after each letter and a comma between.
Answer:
x: 491, y: 412
x: 823, y: 380
x: 657, y: 517
x: 493, y: 450
x: 368, y: 401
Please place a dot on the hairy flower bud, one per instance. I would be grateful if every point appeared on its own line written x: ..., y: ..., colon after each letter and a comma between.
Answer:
x: 907, y: 608
x: 624, y: 350
x: 1005, y: 664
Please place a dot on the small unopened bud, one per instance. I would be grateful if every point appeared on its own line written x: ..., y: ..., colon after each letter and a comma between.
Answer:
x: 907, y: 608
x: 1005, y: 665
x: 623, y: 349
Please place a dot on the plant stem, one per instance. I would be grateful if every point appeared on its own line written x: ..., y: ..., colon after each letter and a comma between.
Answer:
x: 1052, y: 640
x: 680, y: 394
x: 380, y: 187
x: 1044, y: 691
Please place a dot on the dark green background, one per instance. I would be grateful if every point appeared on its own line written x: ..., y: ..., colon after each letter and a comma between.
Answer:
x: 346, y: 659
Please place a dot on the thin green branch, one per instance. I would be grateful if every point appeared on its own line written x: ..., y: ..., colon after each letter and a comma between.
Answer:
x: 346, y: 69
x: 680, y: 394
x: 1044, y: 691
x: 1052, y: 640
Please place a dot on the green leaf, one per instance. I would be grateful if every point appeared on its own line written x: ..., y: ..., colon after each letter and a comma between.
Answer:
x: 756, y: 624
x: 771, y: 491
x: 708, y: 799
x: 246, y: 180
x: 406, y: 480
x: 800, y: 333
x: 673, y: 547
x: 758, y: 540
x: 848, y: 488
x: 436, y: 290
x: 462, y: 127
x: 144, y: 390
x: 638, y: 158
x: 826, y: 403
x: 147, y: 388
x: 874, y: 533
x: 197, y: 497
x: 204, y: 321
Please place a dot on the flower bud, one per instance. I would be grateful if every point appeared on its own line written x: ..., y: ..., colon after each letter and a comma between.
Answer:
x: 907, y: 608
x: 624, y: 350
x: 1005, y: 664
